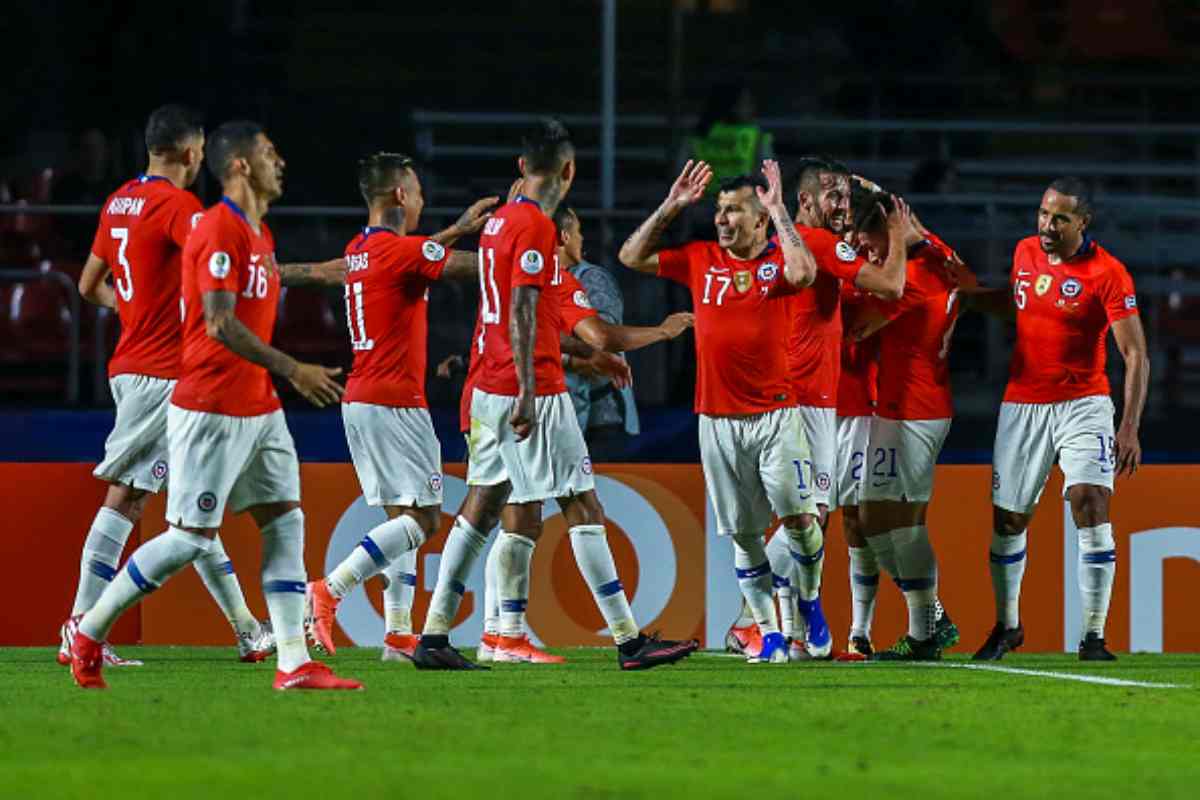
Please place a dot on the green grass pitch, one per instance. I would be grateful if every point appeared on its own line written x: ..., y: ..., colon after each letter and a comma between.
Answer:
x: 195, y: 723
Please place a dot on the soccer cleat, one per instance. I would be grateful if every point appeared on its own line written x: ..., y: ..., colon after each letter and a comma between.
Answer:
x: 443, y: 658
x: 111, y: 659
x: 1000, y: 641
x: 858, y: 648
x: 1092, y: 649
x: 399, y: 646
x: 745, y: 640
x: 322, y: 608
x: 66, y: 635
x: 652, y: 652
x: 797, y: 651
x: 818, y: 640
x: 910, y: 649
x: 256, y: 646
x: 774, y: 650
x: 946, y: 632
x: 518, y: 649
x: 487, y: 647
x: 87, y: 662
x: 312, y: 675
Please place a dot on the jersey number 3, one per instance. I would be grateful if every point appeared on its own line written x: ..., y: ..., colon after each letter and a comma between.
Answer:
x: 124, y: 285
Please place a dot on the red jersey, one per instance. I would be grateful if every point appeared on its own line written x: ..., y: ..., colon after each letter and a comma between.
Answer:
x: 741, y: 307
x: 1063, y: 315
x: 225, y: 254
x: 143, y: 227
x: 576, y: 307
x: 518, y: 247
x: 857, y: 394
x: 387, y: 302
x: 814, y: 345
x: 914, y: 373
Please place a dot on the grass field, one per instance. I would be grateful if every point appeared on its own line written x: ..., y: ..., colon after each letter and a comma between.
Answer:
x: 195, y: 723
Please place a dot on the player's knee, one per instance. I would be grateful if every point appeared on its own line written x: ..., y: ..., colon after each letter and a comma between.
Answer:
x: 127, y: 501
x: 266, y: 513
x: 428, y: 517
x: 1008, y: 523
x: 1089, y: 504
x: 798, y: 521
x: 583, y: 509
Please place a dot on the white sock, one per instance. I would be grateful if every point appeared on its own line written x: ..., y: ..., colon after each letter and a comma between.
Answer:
x: 216, y: 570
x: 513, y: 554
x: 463, y: 546
x: 101, y: 554
x: 147, y: 569
x: 783, y: 579
x: 491, y: 590
x: 754, y: 577
x: 283, y: 582
x: 595, y: 561
x: 808, y: 550
x: 383, y: 544
x: 1007, y: 559
x: 1097, y: 566
x: 918, y: 578
x: 864, y: 584
x: 401, y: 577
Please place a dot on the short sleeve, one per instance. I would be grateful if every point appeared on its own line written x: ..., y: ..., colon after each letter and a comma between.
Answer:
x: 102, y: 243
x: 576, y: 305
x: 676, y: 264
x: 221, y: 259
x: 184, y: 215
x: 534, y: 248
x: 1117, y: 294
x: 428, y: 261
x: 833, y: 255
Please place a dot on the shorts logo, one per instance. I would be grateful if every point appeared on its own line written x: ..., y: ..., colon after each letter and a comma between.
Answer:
x: 1044, y: 282
x: 1071, y: 288
x: 433, y: 251
x: 532, y: 262
x: 1130, y: 301
x: 995, y: 480
x: 581, y: 299
x: 743, y: 280
x: 845, y: 252
x: 586, y: 466
x: 435, y: 482
x: 159, y: 470
x: 218, y: 265
x: 767, y: 272
x: 822, y: 481
x: 206, y: 502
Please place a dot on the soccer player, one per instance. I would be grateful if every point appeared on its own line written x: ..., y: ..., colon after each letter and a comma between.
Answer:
x: 395, y: 451
x: 139, y: 241
x: 752, y: 441
x: 1066, y: 292
x: 226, y: 434
x: 523, y: 428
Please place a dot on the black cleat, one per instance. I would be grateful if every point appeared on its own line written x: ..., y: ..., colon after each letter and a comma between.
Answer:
x: 447, y: 657
x: 946, y: 632
x: 1092, y: 649
x: 860, y: 645
x: 910, y: 649
x: 650, y: 651
x: 1000, y: 641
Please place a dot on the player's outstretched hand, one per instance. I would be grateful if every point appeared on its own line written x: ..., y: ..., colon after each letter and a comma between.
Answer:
x: 316, y: 383
x: 689, y: 187
x: 447, y: 366
x: 901, y: 216
x: 773, y: 194
x: 1128, y: 452
x: 522, y: 416
x: 472, y: 220
x: 677, y: 323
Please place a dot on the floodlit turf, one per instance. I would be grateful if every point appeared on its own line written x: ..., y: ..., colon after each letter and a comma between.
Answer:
x: 195, y: 723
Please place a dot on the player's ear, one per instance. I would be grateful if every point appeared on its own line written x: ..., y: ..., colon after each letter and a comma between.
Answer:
x: 568, y: 171
x: 521, y: 165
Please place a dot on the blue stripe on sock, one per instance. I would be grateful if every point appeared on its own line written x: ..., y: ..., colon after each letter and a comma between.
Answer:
x: 754, y: 572
x: 609, y: 589
x: 101, y: 570
x: 374, y: 552
x: 914, y: 584
x: 227, y: 568
x: 513, y: 606
x: 457, y: 587
x: 866, y: 580
x: 1099, y: 557
x: 808, y: 561
x: 779, y: 582
x: 407, y: 578
x: 138, y: 578
x: 284, y: 587
x: 1013, y: 559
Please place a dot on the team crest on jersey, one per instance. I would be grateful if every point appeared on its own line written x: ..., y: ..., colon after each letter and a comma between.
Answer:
x: 845, y: 252
x: 581, y: 299
x: 1071, y: 288
x: 1044, y: 282
x: 532, y: 262
x: 435, y: 482
x: 207, y: 501
x: 159, y: 470
x: 433, y: 251
x: 743, y: 280
x: 767, y: 272
x: 218, y: 265
x: 1131, y: 301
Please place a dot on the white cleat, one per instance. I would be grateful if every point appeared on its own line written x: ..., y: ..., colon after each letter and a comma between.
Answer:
x: 487, y: 648
x: 256, y: 646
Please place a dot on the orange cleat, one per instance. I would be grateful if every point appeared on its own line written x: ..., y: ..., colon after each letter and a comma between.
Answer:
x: 518, y: 649
x: 747, y: 640
x: 312, y: 675
x: 87, y: 662
x: 322, y: 608
x: 487, y: 647
x: 399, y: 646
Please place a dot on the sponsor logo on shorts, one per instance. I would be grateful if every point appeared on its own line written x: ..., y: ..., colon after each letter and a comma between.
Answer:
x: 1131, y: 301
x: 845, y: 252
x: 768, y: 272
x: 433, y: 251
x: 207, y: 502
x: 581, y: 299
x: 218, y: 265
x: 159, y: 470
x: 1071, y: 288
x: 435, y: 482
x: 532, y: 262
x: 586, y: 466
x: 822, y: 481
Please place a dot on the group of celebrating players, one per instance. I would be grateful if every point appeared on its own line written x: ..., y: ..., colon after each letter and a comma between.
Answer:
x: 822, y: 382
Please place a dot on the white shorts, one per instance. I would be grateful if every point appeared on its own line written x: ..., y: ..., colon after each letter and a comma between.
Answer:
x: 854, y: 436
x: 396, y: 454
x: 218, y: 460
x: 553, y: 462
x: 820, y: 430
x: 135, y: 453
x: 754, y: 466
x: 1031, y: 436
x: 901, y: 457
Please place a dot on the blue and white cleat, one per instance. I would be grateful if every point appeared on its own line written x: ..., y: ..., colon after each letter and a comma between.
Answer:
x: 774, y: 650
x: 818, y: 641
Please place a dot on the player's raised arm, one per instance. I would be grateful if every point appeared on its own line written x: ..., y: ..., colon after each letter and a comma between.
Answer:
x: 325, y: 273
x: 799, y: 266
x: 92, y: 284
x: 469, y: 223
x: 1131, y: 341
x: 640, y: 251
x: 313, y: 381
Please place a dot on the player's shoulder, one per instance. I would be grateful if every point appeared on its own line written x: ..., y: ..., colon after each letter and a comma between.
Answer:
x: 1027, y: 248
x: 1106, y: 261
x: 570, y: 282
x: 413, y: 248
x: 219, y: 222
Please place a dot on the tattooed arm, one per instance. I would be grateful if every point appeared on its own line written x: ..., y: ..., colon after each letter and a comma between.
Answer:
x: 326, y: 273
x: 799, y: 266
x: 468, y: 223
x: 640, y: 251
x: 522, y: 333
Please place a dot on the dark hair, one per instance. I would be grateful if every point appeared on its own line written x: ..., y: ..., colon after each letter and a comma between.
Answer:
x: 1077, y: 188
x: 864, y: 207
x: 380, y: 173
x: 546, y: 147
x: 169, y: 125
x: 732, y: 184
x: 809, y: 173
x: 563, y: 216
x: 232, y: 140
